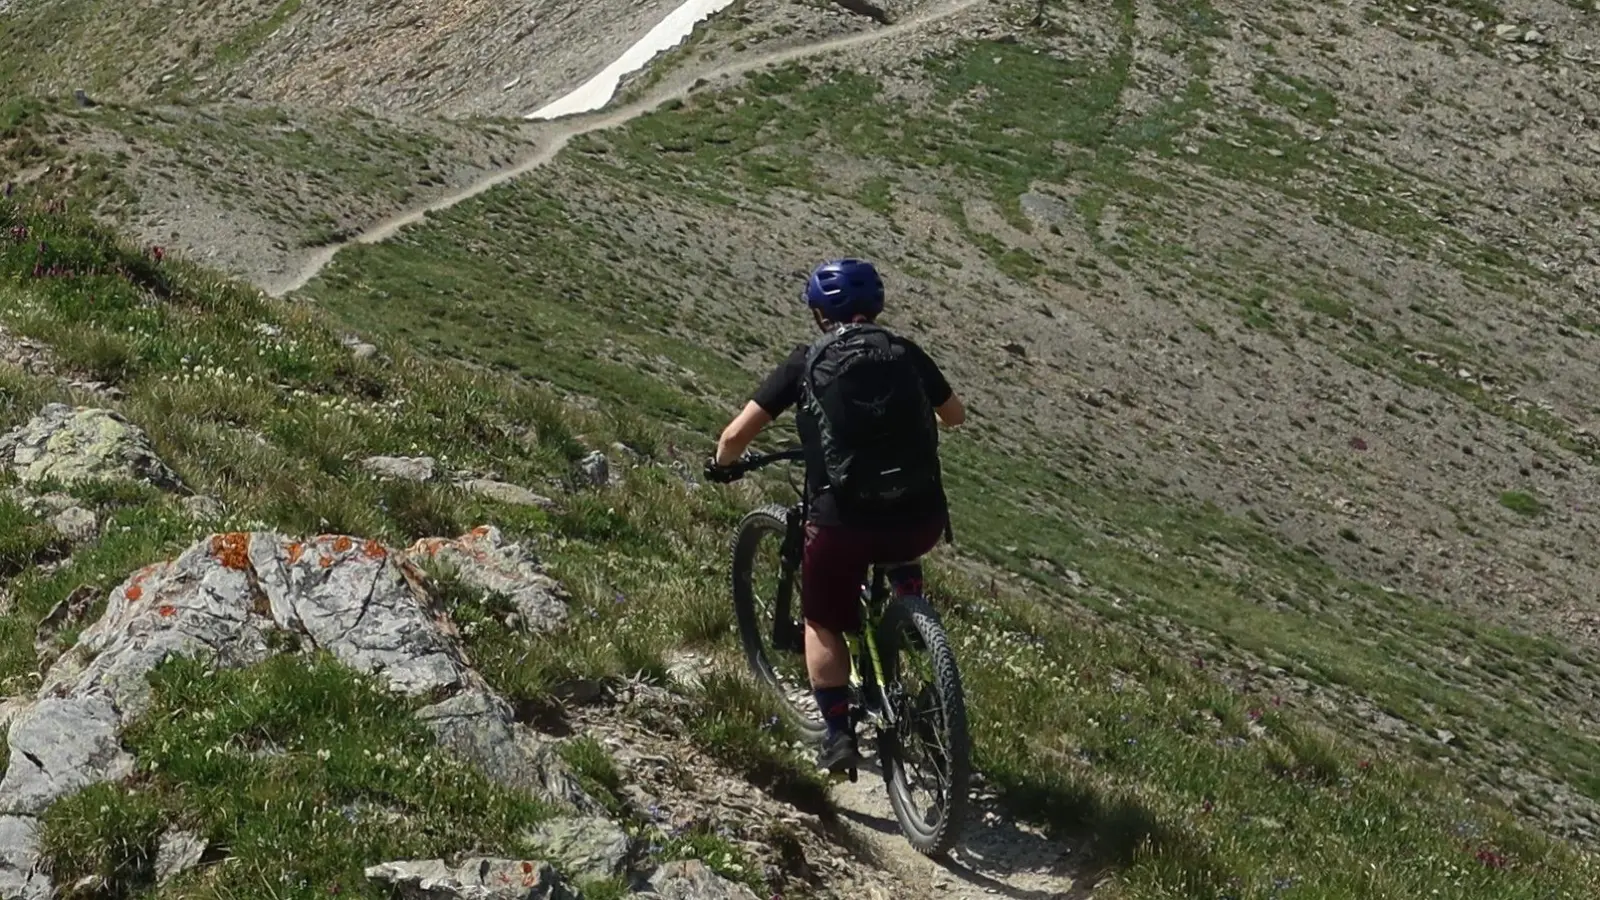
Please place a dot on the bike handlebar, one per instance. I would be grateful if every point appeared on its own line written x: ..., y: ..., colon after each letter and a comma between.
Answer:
x: 793, y: 454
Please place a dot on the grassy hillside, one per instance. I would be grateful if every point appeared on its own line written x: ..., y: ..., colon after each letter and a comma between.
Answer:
x: 1273, y: 512
x: 1179, y: 785
x: 1203, y: 408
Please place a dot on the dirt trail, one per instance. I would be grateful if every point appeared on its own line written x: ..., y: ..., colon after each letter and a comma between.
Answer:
x: 564, y: 130
x: 996, y: 857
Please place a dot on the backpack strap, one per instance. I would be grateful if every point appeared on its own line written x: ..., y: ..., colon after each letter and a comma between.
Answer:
x: 821, y: 345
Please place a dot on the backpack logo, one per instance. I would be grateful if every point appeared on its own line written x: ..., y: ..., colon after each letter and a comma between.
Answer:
x: 879, y: 438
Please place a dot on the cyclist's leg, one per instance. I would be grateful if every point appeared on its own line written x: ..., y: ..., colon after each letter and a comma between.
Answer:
x: 831, y: 574
x: 905, y: 548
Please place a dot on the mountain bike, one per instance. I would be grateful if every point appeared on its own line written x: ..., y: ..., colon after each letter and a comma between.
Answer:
x: 908, y: 713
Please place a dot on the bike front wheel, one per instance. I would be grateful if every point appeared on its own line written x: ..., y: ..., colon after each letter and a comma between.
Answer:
x: 766, y: 604
x: 926, y: 751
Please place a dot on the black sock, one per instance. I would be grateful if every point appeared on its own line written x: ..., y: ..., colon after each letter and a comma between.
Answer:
x: 834, y: 703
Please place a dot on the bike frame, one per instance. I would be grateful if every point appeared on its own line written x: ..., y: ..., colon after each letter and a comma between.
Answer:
x: 866, y: 663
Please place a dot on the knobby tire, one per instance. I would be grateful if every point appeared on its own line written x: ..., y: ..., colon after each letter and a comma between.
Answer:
x: 914, y: 615
x: 767, y: 522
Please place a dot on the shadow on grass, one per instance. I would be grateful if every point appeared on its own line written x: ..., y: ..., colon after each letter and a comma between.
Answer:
x: 1113, y: 829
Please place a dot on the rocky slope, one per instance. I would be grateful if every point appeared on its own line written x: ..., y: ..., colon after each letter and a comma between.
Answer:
x: 237, y: 600
x: 1273, y: 318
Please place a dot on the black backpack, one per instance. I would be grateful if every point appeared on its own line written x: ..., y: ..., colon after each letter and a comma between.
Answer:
x: 880, y: 442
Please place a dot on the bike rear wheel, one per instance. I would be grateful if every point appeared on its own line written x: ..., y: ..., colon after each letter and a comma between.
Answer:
x: 765, y: 593
x: 929, y: 730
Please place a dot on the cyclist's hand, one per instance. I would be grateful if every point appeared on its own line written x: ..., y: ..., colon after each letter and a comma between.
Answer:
x: 720, y: 475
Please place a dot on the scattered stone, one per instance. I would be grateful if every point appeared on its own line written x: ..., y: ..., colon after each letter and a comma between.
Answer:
x: 504, y: 492
x: 477, y: 878
x: 267, y: 329
x: 19, y: 848
x: 691, y: 879
x: 204, y: 509
x: 1015, y: 348
x: 76, y: 524
x: 1505, y: 31
x: 220, y: 599
x: 402, y: 468
x: 1044, y: 209
x: 478, y: 726
x: 179, y: 852
x: 684, y: 668
x: 28, y: 355
x: 483, y: 559
x: 73, y: 445
x: 596, y: 469
x: 358, y: 348
x: 63, y: 615
x: 585, y: 846
x: 45, y: 505
x: 59, y: 746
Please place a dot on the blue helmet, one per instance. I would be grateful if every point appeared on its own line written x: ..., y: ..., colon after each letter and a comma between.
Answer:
x: 841, y: 289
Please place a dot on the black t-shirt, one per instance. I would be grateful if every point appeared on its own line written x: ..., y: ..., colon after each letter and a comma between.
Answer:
x: 781, y: 390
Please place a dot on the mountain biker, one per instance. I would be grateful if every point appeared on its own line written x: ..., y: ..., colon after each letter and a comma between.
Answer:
x: 845, y: 536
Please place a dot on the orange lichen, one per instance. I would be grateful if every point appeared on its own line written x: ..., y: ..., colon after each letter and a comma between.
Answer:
x: 374, y: 550
x: 232, y: 550
x: 134, y: 593
x: 167, y: 610
x: 296, y: 550
x: 342, y: 544
x: 483, y: 531
x: 325, y: 561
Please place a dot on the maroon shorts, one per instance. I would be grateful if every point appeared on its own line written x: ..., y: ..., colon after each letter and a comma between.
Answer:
x: 837, y: 561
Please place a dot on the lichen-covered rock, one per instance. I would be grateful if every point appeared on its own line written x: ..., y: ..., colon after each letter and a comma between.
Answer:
x: 483, y: 559
x: 585, y: 846
x: 691, y: 879
x: 478, y: 878
x: 73, y: 445
x: 220, y: 599
x: 222, y: 595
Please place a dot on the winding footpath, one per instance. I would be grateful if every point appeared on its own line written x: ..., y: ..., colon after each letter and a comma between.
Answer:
x: 995, y: 858
x: 569, y: 127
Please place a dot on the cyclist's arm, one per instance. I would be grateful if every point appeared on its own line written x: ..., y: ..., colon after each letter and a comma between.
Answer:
x: 946, y: 405
x: 740, y: 432
x: 952, y: 412
x: 778, y: 391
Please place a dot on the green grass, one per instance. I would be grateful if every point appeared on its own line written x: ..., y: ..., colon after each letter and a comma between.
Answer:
x: 24, y: 540
x: 1289, y: 607
x: 240, y: 47
x: 1521, y: 503
x: 1083, y: 728
x: 270, y: 762
x: 1095, y: 709
x: 1151, y: 558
